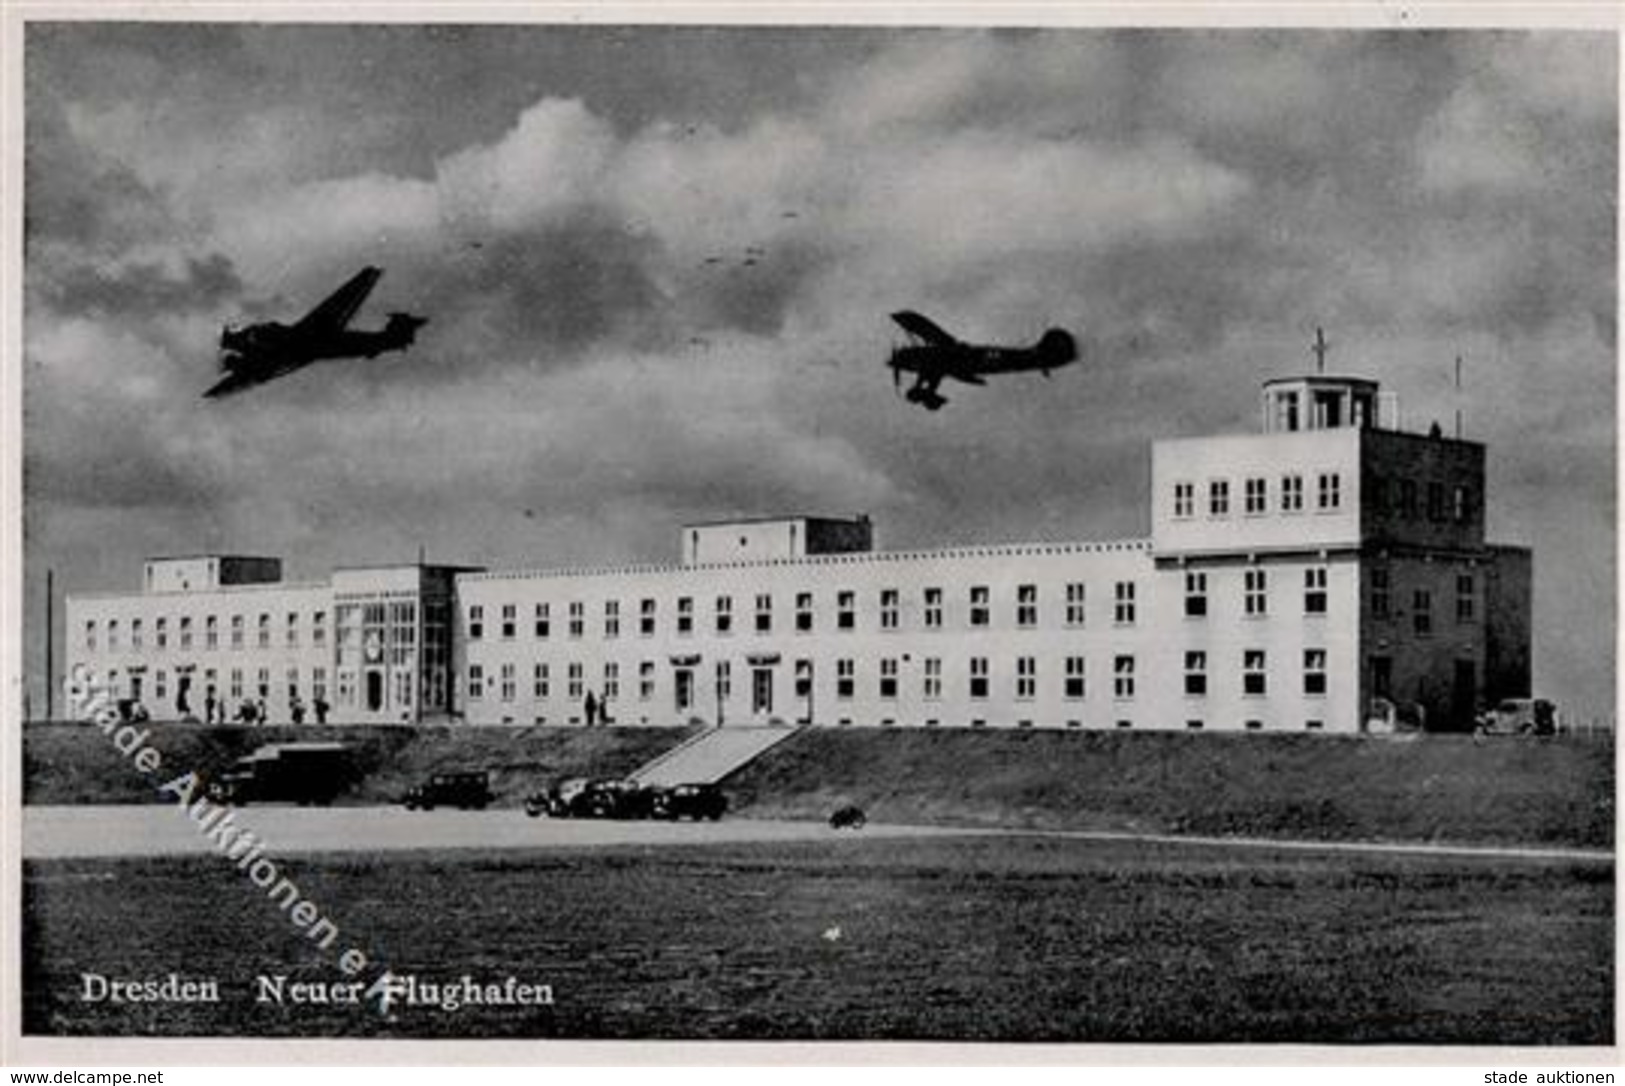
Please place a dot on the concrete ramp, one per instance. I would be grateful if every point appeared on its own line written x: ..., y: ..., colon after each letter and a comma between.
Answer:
x: 711, y: 756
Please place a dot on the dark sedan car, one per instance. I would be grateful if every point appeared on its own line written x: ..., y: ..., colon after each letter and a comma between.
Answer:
x: 694, y: 801
x: 469, y: 790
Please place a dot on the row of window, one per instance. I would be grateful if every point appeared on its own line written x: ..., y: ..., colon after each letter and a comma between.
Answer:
x: 184, y: 632
x: 1401, y: 497
x: 1382, y: 601
x: 1255, y: 495
x: 978, y: 613
x: 504, y: 682
x: 237, y: 688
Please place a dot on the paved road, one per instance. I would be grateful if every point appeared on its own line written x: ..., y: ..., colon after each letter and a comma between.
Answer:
x: 60, y: 832
x: 163, y: 830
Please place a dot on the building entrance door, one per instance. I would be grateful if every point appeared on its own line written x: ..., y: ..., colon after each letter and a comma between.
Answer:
x: 1464, y: 694
x: 761, y: 691
x: 375, y: 691
x: 684, y: 688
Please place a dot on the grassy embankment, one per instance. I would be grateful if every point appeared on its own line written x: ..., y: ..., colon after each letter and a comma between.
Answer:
x: 75, y: 763
x: 1444, y: 788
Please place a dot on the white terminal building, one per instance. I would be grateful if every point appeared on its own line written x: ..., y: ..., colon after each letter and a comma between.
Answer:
x: 1329, y: 573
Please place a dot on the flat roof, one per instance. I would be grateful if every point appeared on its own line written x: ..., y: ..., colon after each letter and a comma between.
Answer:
x: 855, y: 518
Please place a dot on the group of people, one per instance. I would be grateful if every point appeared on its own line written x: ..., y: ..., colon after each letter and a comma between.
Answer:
x: 597, y: 709
x: 254, y: 710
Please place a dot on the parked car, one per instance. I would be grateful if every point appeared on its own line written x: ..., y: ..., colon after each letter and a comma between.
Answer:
x: 1519, y: 716
x: 849, y: 817
x: 465, y: 790
x: 302, y: 773
x: 694, y: 801
x: 582, y: 798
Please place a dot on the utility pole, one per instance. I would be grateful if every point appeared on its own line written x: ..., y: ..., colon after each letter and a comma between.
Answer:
x: 50, y: 635
x: 1320, y: 348
x: 1458, y: 397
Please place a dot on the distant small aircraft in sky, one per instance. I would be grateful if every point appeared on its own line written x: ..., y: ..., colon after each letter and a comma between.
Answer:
x: 263, y: 352
x: 934, y: 355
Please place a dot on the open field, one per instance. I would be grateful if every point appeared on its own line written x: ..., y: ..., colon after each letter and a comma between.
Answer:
x: 975, y: 938
x: 76, y: 763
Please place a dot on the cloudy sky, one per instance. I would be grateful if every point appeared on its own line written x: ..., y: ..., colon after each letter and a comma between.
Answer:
x: 573, y: 209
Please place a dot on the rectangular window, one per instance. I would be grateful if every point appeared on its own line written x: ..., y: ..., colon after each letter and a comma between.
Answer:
x: 160, y: 632
x: 978, y: 677
x: 888, y: 608
x: 1255, y: 589
x: 1314, y: 672
x: 575, y: 685
x: 507, y: 683
x: 318, y: 628
x: 646, y: 680
x: 476, y: 681
x: 318, y: 683
x: 540, y: 686
x: 1184, y: 499
x: 764, y: 613
x: 90, y: 635
x: 1422, y: 612
x: 1123, y: 604
x: 160, y: 685
x: 646, y: 618
x: 978, y: 605
x: 1329, y: 494
x: 211, y: 632
x: 612, y: 619
x: 1123, y: 677
x: 135, y: 633
x: 1466, y: 605
x: 578, y: 618
x: 1195, y: 594
x: 1253, y: 681
x: 888, y: 677
x: 1381, y: 598
x: 1196, y: 674
x: 804, y: 677
x: 542, y: 620
x: 1027, y: 606
x: 1407, y: 497
x: 476, y: 622
x: 1074, y: 688
x: 112, y: 635
x: 290, y: 628
x: 804, y: 612
x: 1218, y: 498
x: 236, y: 631
x: 725, y: 614
x: 1461, y: 505
x: 1026, y: 678
x: 1314, y: 590
x: 1256, y: 493
x: 685, y: 615
x: 846, y: 615
x: 1074, y: 604
x: 933, y: 678
x: 612, y: 685
x: 236, y: 683
x: 510, y: 622
x: 933, y: 608
x: 845, y: 679
x: 186, y: 632
x: 1291, y: 493
x: 264, y: 631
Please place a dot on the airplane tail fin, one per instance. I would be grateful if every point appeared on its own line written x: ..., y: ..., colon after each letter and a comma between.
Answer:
x: 1057, y: 347
x: 404, y: 326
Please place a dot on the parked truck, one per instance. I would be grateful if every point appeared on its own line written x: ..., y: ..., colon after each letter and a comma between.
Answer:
x: 302, y: 773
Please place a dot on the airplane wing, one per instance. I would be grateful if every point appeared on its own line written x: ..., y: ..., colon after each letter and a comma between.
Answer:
x: 923, y: 327
x: 333, y: 314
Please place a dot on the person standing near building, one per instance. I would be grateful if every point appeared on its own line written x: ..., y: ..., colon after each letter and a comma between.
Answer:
x: 320, y: 705
x: 591, y: 707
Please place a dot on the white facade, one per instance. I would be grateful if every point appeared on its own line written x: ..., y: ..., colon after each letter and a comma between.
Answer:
x: 1322, y: 575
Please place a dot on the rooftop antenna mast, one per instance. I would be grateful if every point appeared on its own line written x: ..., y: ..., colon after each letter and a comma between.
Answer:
x: 1458, y: 398
x: 1320, y: 348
